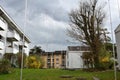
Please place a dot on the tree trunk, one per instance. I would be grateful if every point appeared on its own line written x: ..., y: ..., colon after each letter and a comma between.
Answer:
x: 96, y: 62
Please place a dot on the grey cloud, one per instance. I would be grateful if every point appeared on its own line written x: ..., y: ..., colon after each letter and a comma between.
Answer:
x: 52, y: 33
x: 52, y: 8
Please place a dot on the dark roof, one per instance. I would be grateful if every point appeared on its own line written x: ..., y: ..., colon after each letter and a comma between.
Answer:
x: 60, y: 52
x: 78, y: 48
x: 55, y: 52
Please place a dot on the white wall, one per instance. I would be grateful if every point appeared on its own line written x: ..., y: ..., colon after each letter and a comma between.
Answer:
x: 15, y: 32
x: 3, y: 24
x: 27, y: 48
x: 118, y: 47
x: 74, y: 60
x: 15, y: 44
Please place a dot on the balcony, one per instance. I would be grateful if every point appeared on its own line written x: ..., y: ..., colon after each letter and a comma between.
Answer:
x: 12, y: 36
x: 1, y: 45
x: 2, y: 25
x: 48, y: 62
x: 22, y: 44
x: 11, y: 50
x: 1, y: 42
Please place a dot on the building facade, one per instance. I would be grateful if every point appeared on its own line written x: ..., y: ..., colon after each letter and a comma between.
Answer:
x: 11, y: 36
x: 74, y: 56
x: 55, y: 59
x: 117, y: 35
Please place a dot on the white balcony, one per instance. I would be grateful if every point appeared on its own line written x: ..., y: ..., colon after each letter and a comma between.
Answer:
x: 12, y: 36
x: 22, y: 44
x: 1, y: 45
x: 11, y: 50
x: 1, y: 42
x: 2, y: 25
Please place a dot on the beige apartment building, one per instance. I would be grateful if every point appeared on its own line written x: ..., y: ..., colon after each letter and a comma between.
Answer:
x: 55, y: 59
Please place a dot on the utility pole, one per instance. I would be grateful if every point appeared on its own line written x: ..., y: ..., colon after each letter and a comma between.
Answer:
x: 115, y: 71
x: 25, y: 15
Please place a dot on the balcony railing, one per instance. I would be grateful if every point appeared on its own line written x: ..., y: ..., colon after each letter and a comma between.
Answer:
x: 1, y: 45
x: 12, y: 36
x: 2, y: 25
x: 11, y: 50
x: 22, y: 44
x: 2, y: 39
x: 1, y: 42
x: 48, y: 57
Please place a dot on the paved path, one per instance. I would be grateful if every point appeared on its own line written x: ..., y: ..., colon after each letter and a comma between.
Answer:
x: 95, y: 78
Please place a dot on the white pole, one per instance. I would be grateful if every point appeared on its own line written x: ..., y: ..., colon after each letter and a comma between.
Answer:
x: 118, y: 8
x: 112, y: 32
x: 21, y: 71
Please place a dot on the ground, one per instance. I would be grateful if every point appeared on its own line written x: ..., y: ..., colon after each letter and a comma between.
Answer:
x: 55, y: 74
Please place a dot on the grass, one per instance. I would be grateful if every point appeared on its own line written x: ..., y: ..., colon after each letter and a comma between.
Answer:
x: 54, y: 74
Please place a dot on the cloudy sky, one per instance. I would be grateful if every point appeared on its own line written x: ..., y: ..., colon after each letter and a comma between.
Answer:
x: 47, y: 20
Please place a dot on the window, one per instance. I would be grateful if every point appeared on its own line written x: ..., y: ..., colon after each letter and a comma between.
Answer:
x: 57, y: 59
x: 1, y: 38
x: 16, y: 46
x: 57, y: 63
x: 10, y: 29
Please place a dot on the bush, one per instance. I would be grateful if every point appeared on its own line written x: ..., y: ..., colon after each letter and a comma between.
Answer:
x: 5, y: 66
x: 33, y: 62
x: 104, y: 58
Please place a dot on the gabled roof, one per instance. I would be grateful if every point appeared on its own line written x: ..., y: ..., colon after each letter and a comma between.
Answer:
x: 117, y: 29
x: 11, y: 22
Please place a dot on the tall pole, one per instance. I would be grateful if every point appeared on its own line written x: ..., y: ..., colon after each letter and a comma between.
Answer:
x: 23, y: 43
x: 118, y: 8
x: 115, y: 72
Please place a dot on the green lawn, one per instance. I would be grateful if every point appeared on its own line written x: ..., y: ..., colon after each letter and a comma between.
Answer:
x: 54, y: 74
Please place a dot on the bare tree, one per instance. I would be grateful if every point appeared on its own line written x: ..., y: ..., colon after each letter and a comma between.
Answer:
x: 86, y: 26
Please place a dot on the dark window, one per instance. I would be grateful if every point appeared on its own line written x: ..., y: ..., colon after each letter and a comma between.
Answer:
x: 57, y: 59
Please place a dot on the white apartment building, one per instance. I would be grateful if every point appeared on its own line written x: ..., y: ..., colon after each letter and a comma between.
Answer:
x: 11, y: 36
x: 74, y: 56
x: 117, y: 35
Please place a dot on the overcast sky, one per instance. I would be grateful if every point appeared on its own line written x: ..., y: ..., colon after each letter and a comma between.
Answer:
x: 47, y: 20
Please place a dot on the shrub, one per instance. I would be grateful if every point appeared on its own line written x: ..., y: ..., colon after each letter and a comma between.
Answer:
x: 104, y: 58
x: 5, y: 66
x: 8, y: 56
x: 33, y: 62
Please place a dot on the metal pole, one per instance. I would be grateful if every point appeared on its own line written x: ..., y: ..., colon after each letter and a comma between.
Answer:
x: 21, y: 71
x: 118, y: 8
x: 115, y: 72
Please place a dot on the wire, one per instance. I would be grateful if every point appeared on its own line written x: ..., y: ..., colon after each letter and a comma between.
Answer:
x: 115, y: 73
